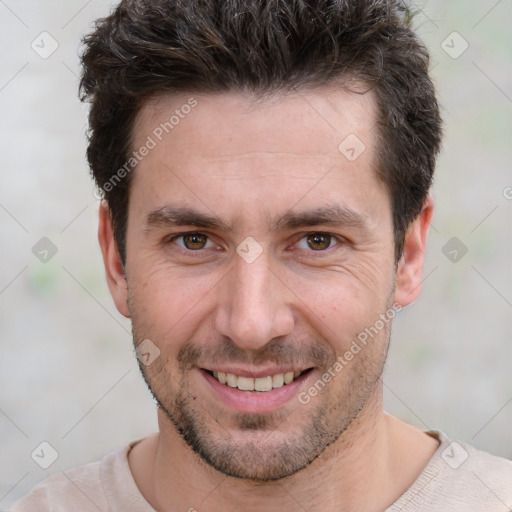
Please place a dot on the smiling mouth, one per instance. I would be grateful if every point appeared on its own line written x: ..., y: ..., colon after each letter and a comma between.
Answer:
x: 261, y: 384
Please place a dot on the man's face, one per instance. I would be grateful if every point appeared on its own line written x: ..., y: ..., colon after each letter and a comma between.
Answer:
x: 315, y: 272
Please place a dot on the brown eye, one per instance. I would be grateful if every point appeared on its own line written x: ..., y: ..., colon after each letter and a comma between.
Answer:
x: 194, y: 241
x: 319, y: 241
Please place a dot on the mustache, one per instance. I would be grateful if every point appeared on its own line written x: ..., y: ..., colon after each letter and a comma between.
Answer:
x: 278, y: 352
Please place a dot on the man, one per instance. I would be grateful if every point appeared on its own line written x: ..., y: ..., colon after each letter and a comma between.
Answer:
x: 266, y: 168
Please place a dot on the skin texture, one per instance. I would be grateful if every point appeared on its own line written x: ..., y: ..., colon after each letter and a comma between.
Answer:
x: 300, y: 304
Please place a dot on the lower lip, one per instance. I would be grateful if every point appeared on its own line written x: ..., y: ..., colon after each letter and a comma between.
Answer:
x: 256, y: 401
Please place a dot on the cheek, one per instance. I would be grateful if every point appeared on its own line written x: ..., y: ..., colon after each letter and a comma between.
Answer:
x: 341, y: 318
x: 166, y: 303
x: 371, y: 278
x: 340, y: 305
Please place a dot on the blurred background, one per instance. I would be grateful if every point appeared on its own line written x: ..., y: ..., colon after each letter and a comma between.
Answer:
x: 68, y: 375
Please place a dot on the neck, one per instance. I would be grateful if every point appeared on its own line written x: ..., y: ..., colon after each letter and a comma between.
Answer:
x: 366, y: 469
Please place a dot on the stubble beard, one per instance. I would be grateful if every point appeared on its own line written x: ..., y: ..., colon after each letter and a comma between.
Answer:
x: 256, y: 451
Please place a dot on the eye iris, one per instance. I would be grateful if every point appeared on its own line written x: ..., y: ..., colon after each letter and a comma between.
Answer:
x: 194, y: 241
x: 318, y: 241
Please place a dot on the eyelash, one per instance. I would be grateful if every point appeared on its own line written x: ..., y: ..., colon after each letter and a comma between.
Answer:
x: 335, y: 241
x: 173, y: 239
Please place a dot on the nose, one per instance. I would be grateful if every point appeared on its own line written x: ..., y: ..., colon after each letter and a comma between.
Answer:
x: 254, y: 305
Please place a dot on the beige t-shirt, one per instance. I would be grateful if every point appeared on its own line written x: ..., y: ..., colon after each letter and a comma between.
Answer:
x: 458, y: 478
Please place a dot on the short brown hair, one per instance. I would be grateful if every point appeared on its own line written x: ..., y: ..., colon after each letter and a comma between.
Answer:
x: 150, y: 47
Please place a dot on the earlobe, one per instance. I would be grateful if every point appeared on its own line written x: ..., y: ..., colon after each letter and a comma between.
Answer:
x: 114, y: 270
x: 409, y: 274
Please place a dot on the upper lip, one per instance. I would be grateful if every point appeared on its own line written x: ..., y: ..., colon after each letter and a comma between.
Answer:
x: 255, y: 373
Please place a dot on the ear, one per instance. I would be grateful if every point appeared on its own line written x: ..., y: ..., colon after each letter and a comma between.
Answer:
x: 114, y: 270
x: 409, y: 272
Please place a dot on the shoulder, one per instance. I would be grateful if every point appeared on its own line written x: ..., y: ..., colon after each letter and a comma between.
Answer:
x: 460, y: 478
x: 78, y: 488
x: 81, y: 488
x: 479, y: 474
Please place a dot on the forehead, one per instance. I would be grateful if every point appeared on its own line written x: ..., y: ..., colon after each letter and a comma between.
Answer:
x: 306, y: 122
x: 305, y: 143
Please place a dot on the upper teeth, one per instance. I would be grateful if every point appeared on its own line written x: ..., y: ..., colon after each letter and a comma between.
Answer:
x: 258, y: 384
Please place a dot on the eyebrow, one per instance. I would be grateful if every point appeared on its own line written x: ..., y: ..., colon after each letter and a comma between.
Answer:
x: 166, y: 216
x: 330, y: 215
